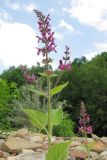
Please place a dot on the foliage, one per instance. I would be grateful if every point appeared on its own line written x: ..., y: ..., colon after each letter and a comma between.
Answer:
x: 37, y: 118
x: 28, y: 99
x: 9, y: 92
x: 65, y: 129
x: 88, y: 83
x: 46, y: 120
x: 13, y: 74
x: 58, y: 151
x: 40, y: 119
x: 4, y: 92
x: 4, y: 113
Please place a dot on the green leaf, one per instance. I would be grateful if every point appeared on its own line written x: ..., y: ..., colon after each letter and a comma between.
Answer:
x: 37, y: 118
x: 58, y: 88
x: 45, y: 75
x: 56, y: 116
x: 40, y: 93
x: 58, y: 151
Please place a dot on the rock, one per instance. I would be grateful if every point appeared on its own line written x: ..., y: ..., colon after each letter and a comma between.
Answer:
x: 1, y: 153
x: 2, y: 141
x: 24, y: 145
x: 16, y: 144
x: 78, y: 154
x: 81, y: 148
x: 104, y: 139
x: 74, y: 144
x: 36, y: 137
x: 40, y: 150
x: 12, y: 158
x: 103, y: 155
x: 99, y: 146
x: 95, y: 137
x: 32, y: 156
x: 93, y: 155
x: 5, y: 154
x: 27, y: 151
x: 56, y: 140
x: 21, y: 133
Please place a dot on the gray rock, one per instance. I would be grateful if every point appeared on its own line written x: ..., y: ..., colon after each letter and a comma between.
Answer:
x: 103, y: 155
x: 32, y: 156
x: 5, y: 154
x: 104, y: 139
x: 12, y: 158
x: 93, y: 155
x: 2, y: 141
x: 24, y: 151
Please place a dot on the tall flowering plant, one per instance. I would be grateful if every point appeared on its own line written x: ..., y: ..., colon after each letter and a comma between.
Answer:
x: 84, y: 125
x: 52, y: 117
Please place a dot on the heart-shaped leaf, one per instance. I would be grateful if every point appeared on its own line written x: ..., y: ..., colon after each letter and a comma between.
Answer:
x: 37, y: 118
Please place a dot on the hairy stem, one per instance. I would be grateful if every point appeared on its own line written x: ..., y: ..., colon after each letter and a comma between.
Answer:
x: 48, y: 103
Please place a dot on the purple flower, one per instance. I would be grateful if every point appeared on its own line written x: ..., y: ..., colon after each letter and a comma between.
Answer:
x: 89, y: 129
x: 47, y: 36
x: 66, y: 65
x: 81, y: 129
x: 29, y: 78
x: 84, y: 120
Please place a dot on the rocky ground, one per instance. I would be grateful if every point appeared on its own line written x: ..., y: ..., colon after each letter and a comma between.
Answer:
x: 24, y: 145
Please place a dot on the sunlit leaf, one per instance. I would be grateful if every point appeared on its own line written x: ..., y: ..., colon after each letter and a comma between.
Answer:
x: 58, y: 151
x: 45, y: 75
x: 37, y: 118
x: 58, y: 88
x: 56, y: 116
x: 40, y: 93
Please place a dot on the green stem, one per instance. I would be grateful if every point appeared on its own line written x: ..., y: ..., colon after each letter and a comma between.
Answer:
x: 48, y: 104
x: 86, y: 144
x: 49, y: 113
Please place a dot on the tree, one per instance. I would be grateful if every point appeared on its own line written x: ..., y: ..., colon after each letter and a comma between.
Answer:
x: 13, y: 74
x: 88, y: 83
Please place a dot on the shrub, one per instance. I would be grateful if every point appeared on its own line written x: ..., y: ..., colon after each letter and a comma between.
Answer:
x: 66, y: 128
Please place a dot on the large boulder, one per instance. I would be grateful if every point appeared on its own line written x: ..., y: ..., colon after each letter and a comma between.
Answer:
x: 16, y: 144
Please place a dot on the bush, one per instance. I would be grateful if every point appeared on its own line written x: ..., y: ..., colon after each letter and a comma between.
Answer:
x: 65, y: 129
x: 4, y: 113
